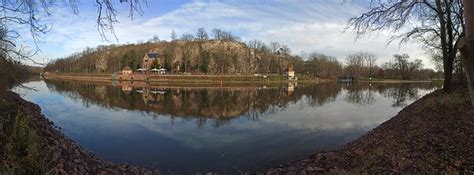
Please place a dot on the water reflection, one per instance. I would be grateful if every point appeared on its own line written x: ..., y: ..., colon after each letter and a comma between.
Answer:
x: 401, y: 93
x: 224, y: 103
x: 212, y: 128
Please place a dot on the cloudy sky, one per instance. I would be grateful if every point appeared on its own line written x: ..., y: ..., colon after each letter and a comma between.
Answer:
x: 309, y: 26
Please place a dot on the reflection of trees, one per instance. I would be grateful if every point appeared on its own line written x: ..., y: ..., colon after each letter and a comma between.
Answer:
x: 320, y: 94
x: 401, y: 93
x: 360, y: 94
x: 217, y: 106
x: 213, y: 106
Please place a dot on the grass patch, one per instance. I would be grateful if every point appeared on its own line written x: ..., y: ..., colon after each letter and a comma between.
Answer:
x: 450, y: 100
x: 23, y: 150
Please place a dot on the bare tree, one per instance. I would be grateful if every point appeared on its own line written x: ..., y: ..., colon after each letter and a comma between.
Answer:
x: 217, y: 34
x: 355, y: 63
x: 201, y: 35
x: 284, y: 50
x: 107, y: 13
x: 274, y: 47
x: 404, y: 67
x: 401, y: 63
x: 440, y: 25
x: 322, y: 65
x: 257, y: 45
x: 155, y: 39
x: 173, y: 35
x: 467, y: 47
x: 31, y: 14
x: 187, y: 37
x: 370, y: 62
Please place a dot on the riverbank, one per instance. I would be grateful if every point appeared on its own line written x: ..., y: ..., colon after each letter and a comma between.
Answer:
x: 190, y: 79
x: 395, y: 81
x: 29, y: 144
x: 381, y: 80
x: 433, y: 135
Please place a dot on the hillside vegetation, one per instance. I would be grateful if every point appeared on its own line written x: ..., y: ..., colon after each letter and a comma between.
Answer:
x: 198, y: 57
x: 226, y: 54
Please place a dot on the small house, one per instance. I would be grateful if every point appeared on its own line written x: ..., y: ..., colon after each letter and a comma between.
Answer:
x: 127, y: 70
x: 151, y: 57
x: 291, y: 88
x: 127, y: 88
x: 290, y: 73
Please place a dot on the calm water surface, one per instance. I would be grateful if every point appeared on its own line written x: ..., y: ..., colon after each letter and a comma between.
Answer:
x: 184, y: 130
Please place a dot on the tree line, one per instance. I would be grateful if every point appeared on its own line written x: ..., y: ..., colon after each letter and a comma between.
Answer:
x: 444, y: 27
x: 364, y: 65
x: 201, y: 35
x: 224, y: 53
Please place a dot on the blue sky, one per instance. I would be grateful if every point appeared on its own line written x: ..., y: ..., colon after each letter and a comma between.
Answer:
x: 309, y: 26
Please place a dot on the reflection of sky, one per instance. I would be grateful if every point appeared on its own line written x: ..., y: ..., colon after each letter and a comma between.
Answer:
x: 138, y: 138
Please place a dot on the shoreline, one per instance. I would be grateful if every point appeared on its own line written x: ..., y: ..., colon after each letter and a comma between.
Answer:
x: 389, y: 148
x: 31, y: 144
x: 180, y: 78
x: 432, y: 135
x: 396, y: 81
x: 207, y: 79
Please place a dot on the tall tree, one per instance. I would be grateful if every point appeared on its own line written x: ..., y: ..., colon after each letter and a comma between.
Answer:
x: 439, y: 25
x: 370, y: 62
x: 404, y: 67
x: 201, y: 35
x: 467, y: 47
x: 217, y: 34
x: 274, y: 47
x: 401, y: 65
x: 355, y: 63
x: 173, y: 35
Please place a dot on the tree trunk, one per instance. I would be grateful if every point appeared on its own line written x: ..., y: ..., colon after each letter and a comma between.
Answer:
x: 467, y: 46
x: 446, y: 64
x: 448, y: 75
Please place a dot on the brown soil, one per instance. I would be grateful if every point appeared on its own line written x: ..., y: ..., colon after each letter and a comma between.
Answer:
x: 29, y: 144
x: 433, y: 135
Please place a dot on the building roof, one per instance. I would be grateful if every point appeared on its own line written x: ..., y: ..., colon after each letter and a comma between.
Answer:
x: 127, y: 68
x: 290, y: 68
x: 152, y: 54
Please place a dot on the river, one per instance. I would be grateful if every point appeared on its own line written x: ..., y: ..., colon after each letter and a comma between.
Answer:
x: 224, y: 129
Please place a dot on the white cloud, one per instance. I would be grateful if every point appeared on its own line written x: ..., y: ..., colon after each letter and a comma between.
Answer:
x: 302, y: 25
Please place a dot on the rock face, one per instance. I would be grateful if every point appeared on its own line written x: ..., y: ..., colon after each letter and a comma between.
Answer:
x: 217, y: 56
x: 30, y: 145
x: 434, y: 135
